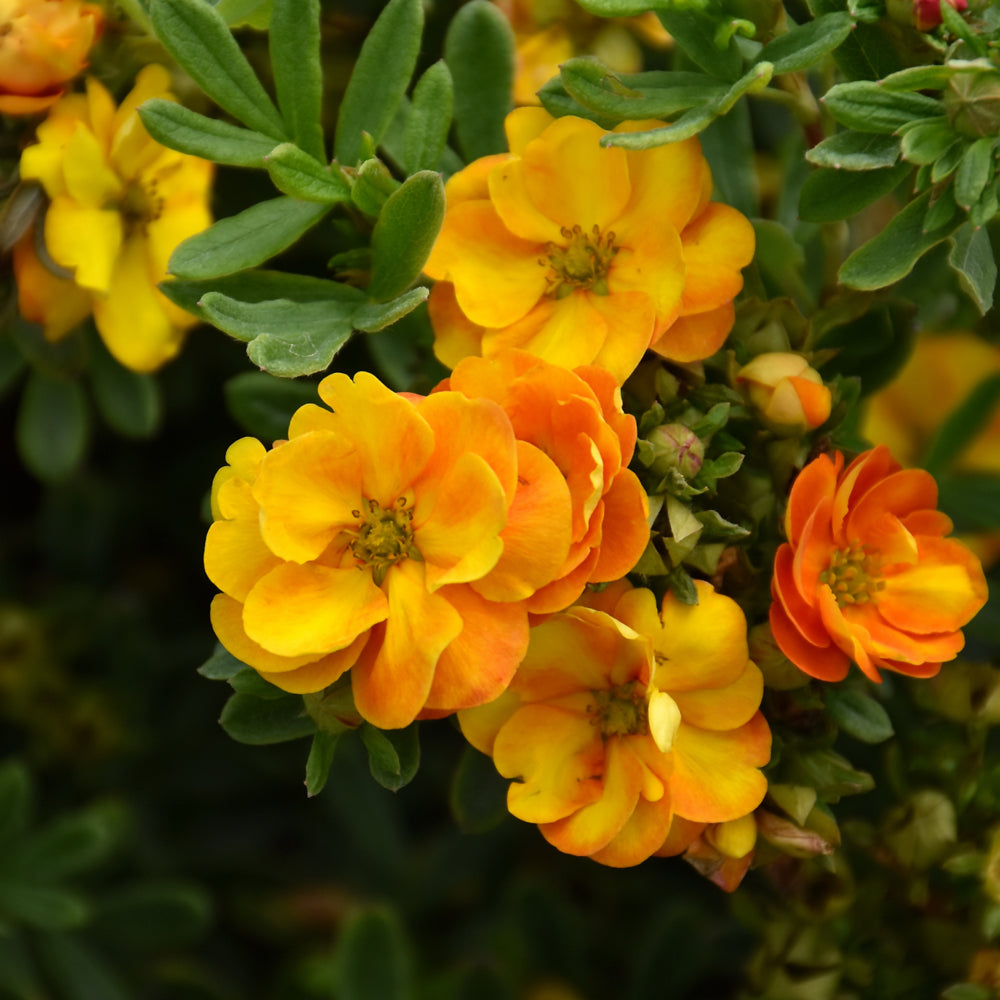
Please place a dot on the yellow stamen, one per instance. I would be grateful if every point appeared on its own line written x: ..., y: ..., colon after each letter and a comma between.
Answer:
x: 384, y: 537
x: 583, y: 262
x: 621, y: 711
x: 853, y: 574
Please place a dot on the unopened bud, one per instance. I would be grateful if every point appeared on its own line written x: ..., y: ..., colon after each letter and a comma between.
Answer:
x: 676, y: 446
x: 788, y: 394
x: 973, y: 102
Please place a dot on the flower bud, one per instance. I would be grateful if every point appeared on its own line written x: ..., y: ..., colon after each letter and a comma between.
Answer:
x: 43, y: 45
x: 788, y: 394
x: 927, y: 13
x: 676, y: 446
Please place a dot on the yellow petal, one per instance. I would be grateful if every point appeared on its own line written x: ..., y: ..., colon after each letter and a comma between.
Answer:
x: 723, y: 707
x: 89, y: 179
x: 312, y: 609
x: 86, y: 240
x: 664, y: 718
x: 131, y: 317
x: 555, y: 756
x: 236, y: 557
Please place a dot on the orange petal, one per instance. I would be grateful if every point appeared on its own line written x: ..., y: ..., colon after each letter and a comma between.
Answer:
x: 319, y: 675
x: 941, y: 593
x: 717, y: 245
x: 642, y: 835
x: 393, y: 677
x: 481, y: 724
x: 393, y: 440
x: 806, y: 616
x: 236, y: 557
x: 593, y: 826
x: 816, y: 483
x: 556, y: 757
x: 537, y: 535
x: 723, y: 708
x: 650, y: 259
x: 478, y: 664
x: 716, y: 776
x: 625, y: 528
x: 300, y: 609
x: 826, y: 663
x: 309, y: 490
x: 695, y: 337
x: 630, y: 320
x: 850, y: 636
x: 497, y: 275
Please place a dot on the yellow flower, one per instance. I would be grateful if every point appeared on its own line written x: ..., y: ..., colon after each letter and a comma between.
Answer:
x: 617, y: 723
x: 582, y: 254
x: 394, y: 537
x: 43, y: 45
x: 120, y: 204
x: 786, y: 391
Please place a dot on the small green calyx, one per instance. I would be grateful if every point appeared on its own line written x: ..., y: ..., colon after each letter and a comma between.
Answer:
x: 621, y: 711
x: 583, y: 263
x: 853, y: 575
x: 385, y: 537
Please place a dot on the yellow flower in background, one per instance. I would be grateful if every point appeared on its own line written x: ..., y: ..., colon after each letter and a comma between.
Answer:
x: 786, y: 392
x: 43, y: 45
x: 548, y: 32
x: 582, y: 254
x: 617, y: 723
x: 119, y: 205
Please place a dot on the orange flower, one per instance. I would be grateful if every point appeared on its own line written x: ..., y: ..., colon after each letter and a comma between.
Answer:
x: 614, y: 726
x: 376, y: 540
x: 867, y: 574
x: 786, y: 391
x: 582, y: 254
x: 574, y: 422
x: 43, y: 45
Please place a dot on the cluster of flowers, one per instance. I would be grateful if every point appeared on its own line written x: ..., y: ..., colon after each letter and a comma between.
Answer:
x: 441, y: 549
x: 118, y: 203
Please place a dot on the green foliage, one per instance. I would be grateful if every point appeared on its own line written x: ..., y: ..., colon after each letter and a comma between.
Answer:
x: 52, y: 426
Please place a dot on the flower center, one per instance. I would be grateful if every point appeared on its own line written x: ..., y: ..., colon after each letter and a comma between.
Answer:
x: 583, y: 263
x: 385, y: 537
x: 140, y: 205
x: 622, y: 711
x: 853, y: 575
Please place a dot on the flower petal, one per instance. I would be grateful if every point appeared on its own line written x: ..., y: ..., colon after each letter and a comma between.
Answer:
x: 723, y: 708
x: 236, y: 557
x: 697, y: 336
x: 824, y: 662
x: 717, y: 245
x: 87, y: 240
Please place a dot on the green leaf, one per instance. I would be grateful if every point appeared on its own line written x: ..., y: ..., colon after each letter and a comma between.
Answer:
x: 858, y: 714
x: 12, y: 363
x: 641, y: 95
x: 15, y: 802
x: 248, y: 681
x: 53, y: 425
x: 245, y: 240
x: 300, y: 175
x: 558, y: 103
x: 972, y: 259
x: 153, y: 916
x: 940, y: 212
x: 868, y: 107
x: 405, y: 233
x: 478, y: 795
x: 963, y: 425
x: 803, y: 46
x: 41, y: 906
x: 221, y: 665
x: 263, y: 405
x: 375, y: 316
x: 294, y: 44
x: 830, y: 195
x: 393, y: 755
x: 695, y: 32
x: 891, y: 255
x: 616, y: 8
x: 128, y: 401
x: 18, y: 975
x: 876, y: 343
x: 321, y: 752
x: 956, y: 24
x: 948, y: 161
x: 927, y: 141
x: 695, y: 120
x: 76, y: 971
x: 381, y: 75
x: 258, y: 286
x: 729, y: 148
x: 429, y: 120
x: 479, y: 51
x: 372, y: 186
x: 918, y: 78
x: 260, y: 722
x: 286, y: 338
x: 373, y: 958
x: 682, y: 586
x: 829, y: 773
x: 177, y: 127
x: 974, y: 171
x: 66, y: 847
x: 240, y: 11
x: 850, y: 150
x: 199, y: 40
x: 987, y: 207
